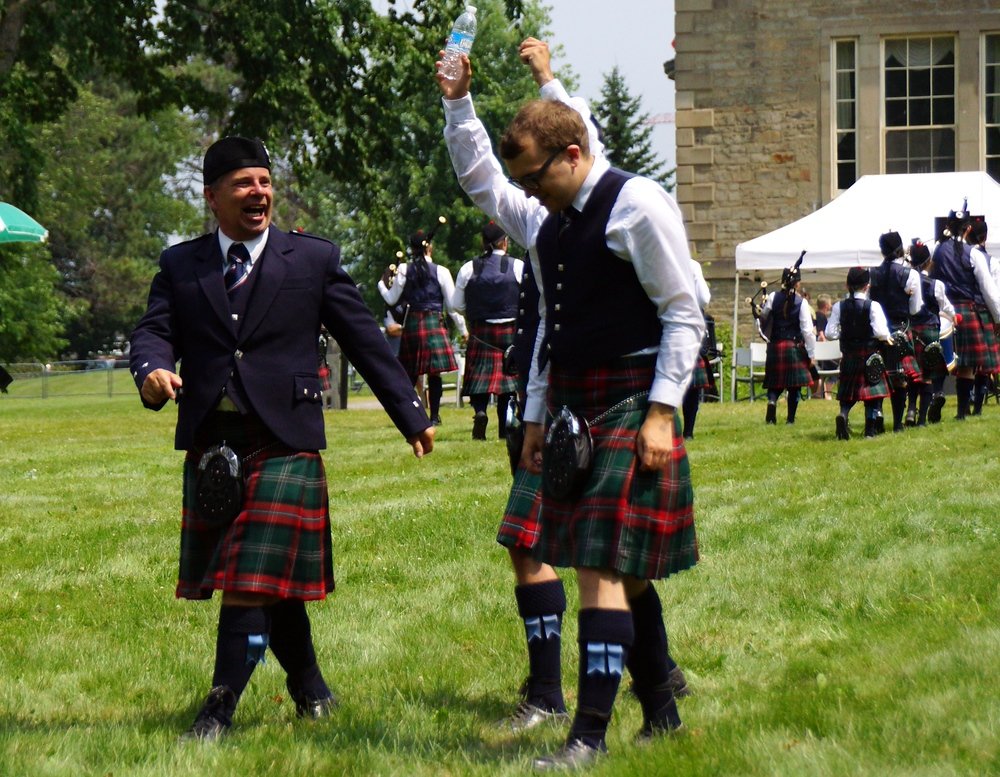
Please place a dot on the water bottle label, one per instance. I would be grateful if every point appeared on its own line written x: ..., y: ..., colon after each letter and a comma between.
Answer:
x: 460, y: 41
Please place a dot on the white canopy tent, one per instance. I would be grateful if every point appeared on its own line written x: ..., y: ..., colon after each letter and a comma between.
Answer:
x: 845, y: 232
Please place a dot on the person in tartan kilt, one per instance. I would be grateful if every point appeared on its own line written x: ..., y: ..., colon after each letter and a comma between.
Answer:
x: 426, y: 288
x: 241, y: 309
x: 896, y: 287
x: 791, y: 347
x: 925, y: 328
x: 620, y: 332
x: 701, y: 379
x: 860, y: 324
x: 971, y: 289
x: 486, y: 293
x: 975, y: 236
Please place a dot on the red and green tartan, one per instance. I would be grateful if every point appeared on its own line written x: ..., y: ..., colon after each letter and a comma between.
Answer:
x: 701, y: 378
x: 922, y: 336
x: 519, y: 527
x: 425, y: 348
x: 786, y: 366
x: 975, y: 342
x: 633, y: 522
x: 278, y: 545
x: 853, y: 386
x: 484, y: 360
x: 900, y: 372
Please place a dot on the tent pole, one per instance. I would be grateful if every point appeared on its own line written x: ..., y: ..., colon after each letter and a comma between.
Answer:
x: 732, y: 352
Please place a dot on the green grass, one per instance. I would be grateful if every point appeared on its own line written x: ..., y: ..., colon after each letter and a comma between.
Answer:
x: 843, y: 619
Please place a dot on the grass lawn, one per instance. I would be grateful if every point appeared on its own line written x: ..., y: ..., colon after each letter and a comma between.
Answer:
x: 844, y: 619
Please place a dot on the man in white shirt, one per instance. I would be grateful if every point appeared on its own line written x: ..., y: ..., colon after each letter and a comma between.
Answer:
x: 620, y: 333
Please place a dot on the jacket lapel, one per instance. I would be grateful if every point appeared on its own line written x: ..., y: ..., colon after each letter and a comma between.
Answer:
x: 273, y: 266
x: 208, y: 267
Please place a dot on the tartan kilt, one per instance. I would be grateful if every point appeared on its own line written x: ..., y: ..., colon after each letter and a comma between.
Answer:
x: 852, y: 386
x: 278, y: 545
x: 425, y: 348
x: 787, y: 365
x: 923, y: 335
x: 701, y: 378
x: 519, y: 527
x: 975, y: 343
x: 484, y: 360
x: 633, y: 522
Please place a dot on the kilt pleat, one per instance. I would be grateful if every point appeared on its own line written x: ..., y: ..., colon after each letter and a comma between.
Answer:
x: 633, y: 522
x: 852, y: 386
x: 519, y: 526
x: 425, y: 348
x: 484, y: 360
x: 278, y: 545
x: 786, y: 365
x: 975, y: 342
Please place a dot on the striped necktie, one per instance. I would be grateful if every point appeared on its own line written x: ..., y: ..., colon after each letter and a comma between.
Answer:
x: 236, y: 268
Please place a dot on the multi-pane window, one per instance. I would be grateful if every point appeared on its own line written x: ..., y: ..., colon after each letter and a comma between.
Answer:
x: 845, y: 112
x: 991, y: 94
x: 920, y: 105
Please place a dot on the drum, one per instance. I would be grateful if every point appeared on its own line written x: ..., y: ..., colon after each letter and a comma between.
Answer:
x: 948, y: 344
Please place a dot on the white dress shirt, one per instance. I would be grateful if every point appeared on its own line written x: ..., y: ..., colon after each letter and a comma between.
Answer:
x: 805, y: 321
x: 645, y: 228
x: 984, y: 277
x: 876, y: 317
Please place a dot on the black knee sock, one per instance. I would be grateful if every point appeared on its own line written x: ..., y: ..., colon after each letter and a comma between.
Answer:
x: 292, y: 645
x: 925, y: 401
x: 845, y: 408
x: 979, y: 394
x: 542, y: 605
x: 241, y: 642
x: 479, y: 402
x: 649, y: 661
x: 912, y: 392
x: 503, y: 400
x: 963, y: 395
x: 692, y: 399
x: 793, y: 404
x: 605, y: 637
x: 435, y: 388
x: 898, y: 401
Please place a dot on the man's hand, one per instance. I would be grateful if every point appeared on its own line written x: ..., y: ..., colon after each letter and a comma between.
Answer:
x: 535, y: 54
x: 423, y: 443
x: 655, y: 441
x: 159, y: 386
x: 453, y: 90
x: 531, y: 450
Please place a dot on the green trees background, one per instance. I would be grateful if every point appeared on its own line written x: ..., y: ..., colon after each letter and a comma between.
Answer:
x: 106, y: 107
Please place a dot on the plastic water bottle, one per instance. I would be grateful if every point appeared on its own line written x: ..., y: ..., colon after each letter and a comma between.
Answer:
x: 463, y: 33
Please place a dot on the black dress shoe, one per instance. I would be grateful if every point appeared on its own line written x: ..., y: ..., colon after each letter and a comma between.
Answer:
x: 310, y: 706
x: 215, y: 717
x: 528, y: 716
x: 573, y: 755
x: 842, y: 432
x: 436, y: 421
x: 479, y: 424
x: 770, y: 415
x: 934, y: 412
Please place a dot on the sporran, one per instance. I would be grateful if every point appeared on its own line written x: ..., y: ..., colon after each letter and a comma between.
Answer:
x: 219, y: 486
x: 568, y: 458
x: 874, y: 369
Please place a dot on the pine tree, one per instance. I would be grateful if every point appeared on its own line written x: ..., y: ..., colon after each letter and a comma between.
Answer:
x: 626, y: 135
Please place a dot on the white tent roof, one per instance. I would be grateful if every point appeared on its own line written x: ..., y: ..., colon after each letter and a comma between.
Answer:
x: 845, y: 232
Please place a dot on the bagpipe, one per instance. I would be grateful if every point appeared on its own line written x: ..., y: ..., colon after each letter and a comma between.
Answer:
x: 789, y: 279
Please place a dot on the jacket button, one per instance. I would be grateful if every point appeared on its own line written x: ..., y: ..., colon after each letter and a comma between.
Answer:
x: 239, y: 354
x: 561, y: 267
x: 557, y: 327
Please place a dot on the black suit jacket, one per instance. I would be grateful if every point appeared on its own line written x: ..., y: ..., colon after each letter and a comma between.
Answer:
x: 273, y: 350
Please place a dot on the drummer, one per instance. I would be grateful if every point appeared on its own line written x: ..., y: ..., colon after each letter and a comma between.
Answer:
x: 931, y: 328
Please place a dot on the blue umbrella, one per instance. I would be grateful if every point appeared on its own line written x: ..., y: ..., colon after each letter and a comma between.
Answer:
x: 17, y: 226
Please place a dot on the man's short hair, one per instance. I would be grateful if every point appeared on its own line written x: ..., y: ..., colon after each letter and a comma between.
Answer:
x: 552, y: 124
x: 857, y: 278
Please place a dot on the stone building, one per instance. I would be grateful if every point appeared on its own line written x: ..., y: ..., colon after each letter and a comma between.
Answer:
x: 782, y: 104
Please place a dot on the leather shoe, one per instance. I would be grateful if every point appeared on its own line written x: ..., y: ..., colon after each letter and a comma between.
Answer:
x: 527, y: 716
x: 651, y: 731
x: 573, y: 755
x: 842, y: 431
x: 770, y: 416
x: 934, y: 413
x: 309, y: 706
x: 215, y: 716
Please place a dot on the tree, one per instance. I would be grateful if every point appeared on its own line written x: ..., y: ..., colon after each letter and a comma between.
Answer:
x: 625, y: 132
x: 31, y: 314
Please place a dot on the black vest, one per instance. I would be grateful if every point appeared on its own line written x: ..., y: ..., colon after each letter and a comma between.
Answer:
x: 953, y: 265
x: 596, y: 309
x: 527, y: 323
x: 855, y: 324
x: 929, y: 313
x: 785, y: 327
x: 888, y: 289
x: 238, y: 306
x: 492, y: 290
x: 424, y: 294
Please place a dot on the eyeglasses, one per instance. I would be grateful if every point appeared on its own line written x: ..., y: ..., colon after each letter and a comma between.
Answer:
x: 532, y: 181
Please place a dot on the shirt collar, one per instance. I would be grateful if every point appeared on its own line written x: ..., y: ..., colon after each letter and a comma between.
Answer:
x: 255, y: 246
x: 599, y: 168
